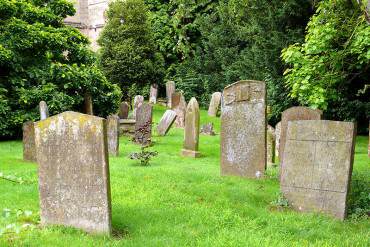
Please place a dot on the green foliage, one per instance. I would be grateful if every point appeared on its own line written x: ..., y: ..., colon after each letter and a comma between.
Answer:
x: 128, y: 51
x: 42, y: 59
x: 359, y: 197
x: 330, y: 69
x: 144, y: 156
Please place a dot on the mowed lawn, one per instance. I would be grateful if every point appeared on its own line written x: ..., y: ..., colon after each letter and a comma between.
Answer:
x: 181, y: 201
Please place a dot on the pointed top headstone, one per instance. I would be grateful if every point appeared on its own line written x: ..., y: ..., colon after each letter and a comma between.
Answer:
x: 191, y: 132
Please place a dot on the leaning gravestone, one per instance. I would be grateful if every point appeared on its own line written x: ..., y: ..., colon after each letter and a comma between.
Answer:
x: 170, y: 89
x: 124, y: 108
x: 317, y: 166
x: 214, y: 104
x: 153, y: 94
x: 113, y: 134
x: 243, y: 129
x: 143, y: 125
x: 166, y: 122
x: 44, y: 111
x: 179, y: 106
x: 29, y: 146
x: 277, y: 138
x: 270, y: 140
x: 74, y: 172
x: 191, y: 139
x: 292, y: 114
x: 138, y: 101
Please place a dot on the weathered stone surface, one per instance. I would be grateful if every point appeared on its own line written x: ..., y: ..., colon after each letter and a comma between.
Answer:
x: 124, y: 109
x: 214, y: 104
x: 153, y: 94
x: 191, y: 133
x: 270, y: 140
x: 29, y: 146
x: 138, y: 101
x: 127, y: 127
x: 166, y: 122
x: 88, y: 104
x: 113, y: 134
x: 170, y: 89
x: 317, y: 166
x: 179, y: 106
x: 44, y: 110
x: 74, y: 172
x: 277, y: 138
x: 143, y: 126
x: 243, y: 129
x: 207, y: 129
x: 292, y: 114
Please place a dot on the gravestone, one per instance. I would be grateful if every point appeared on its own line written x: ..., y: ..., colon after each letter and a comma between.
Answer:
x: 243, y: 129
x: 191, y: 133
x: 138, y: 101
x: 207, y: 129
x: 74, y: 172
x: 170, y: 89
x: 127, y: 127
x: 166, y: 122
x: 317, y: 166
x: 214, y: 104
x: 88, y: 104
x: 124, y: 109
x: 270, y: 140
x: 29, y: 146
x: 277, y: 138
x: 153, y: 94
x: 143, y: 125
x: 292, y: 114
x: 113, y: 134
x: 179, y: 106
x: 44, y: 110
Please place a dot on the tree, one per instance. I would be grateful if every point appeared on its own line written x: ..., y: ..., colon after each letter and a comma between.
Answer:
x: 42, y: 59
x: 128, y: 54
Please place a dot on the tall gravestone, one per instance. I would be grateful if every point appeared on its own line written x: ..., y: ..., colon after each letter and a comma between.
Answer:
x: 277, y: 138
x: 170, y: 89
x: 166, y: 122
x: 143, y: 125
x: 179, y: 106
x: 214, y: 104
x: 138, y: 101
x: 243, y: 129
x: 153, y: 94
x: 113, y: 134
x: 317, y: 166
x: 191, y: 133
x: 292, y: 114
x: 29, y: 146
x: 44, y: 110
x: 88, y: 104
x: 74, y: 172
x: 124, y: 109
x: 270, y: 140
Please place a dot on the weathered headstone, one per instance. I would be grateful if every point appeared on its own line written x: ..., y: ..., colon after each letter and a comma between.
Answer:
x: 277, y: 138
x: 113, y: 134
x: 214, y: 104
x: 127, y: 127
x: 170, y: 89
x: 179, y: 106
x: 292, y: 114
x: 317, y: 166
x: 153, y: 94
x: 124, y: 109
x: 243, y: 129
x: 207, y: 129
x: 29, y: 146
x: 143, y: 125
x: 74, y: 172
x: 270, y: 140
x: 166, y: 122
x: 88, y: 104
x: 191, y: 138
x: 138, y: 101
x: 44, y: 110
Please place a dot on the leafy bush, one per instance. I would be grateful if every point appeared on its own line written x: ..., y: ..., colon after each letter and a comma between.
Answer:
x: 144, y: 156
x: 359, y: 197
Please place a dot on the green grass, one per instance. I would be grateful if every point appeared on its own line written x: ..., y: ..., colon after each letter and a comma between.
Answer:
x: 182, y: 202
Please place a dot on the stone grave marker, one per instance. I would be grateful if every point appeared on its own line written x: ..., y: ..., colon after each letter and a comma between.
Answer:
x: 88, y: 104
x: 179, y: 106
x: 243, y: 129
x: 207, y: 129
x: 44, y: 110
x: 317, y: 166
x: 191, y: 132
x: 170, y: 89
x: 143, y: 125
x: 214, y: 104
x: 113, y: 134
x: 153, y: 94
x: 138, y: 101
x: 74, y: 172
x: 29, y: 146
x: 270, y: 140
x: 124, y: 109
x: 166, y: 122
x: 277, y: 138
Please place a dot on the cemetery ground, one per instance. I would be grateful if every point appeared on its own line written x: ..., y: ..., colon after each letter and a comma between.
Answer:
x: 178, y: 201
